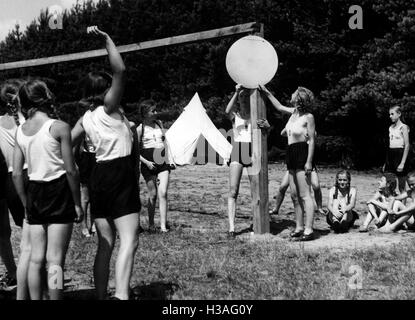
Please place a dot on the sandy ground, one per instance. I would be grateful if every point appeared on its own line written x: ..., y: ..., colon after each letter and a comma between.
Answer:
x: 198, y: 202
x: 198, y: 199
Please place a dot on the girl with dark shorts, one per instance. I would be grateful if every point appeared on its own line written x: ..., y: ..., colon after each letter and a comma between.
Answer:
x: 52, y: 197
x: 154, y: 163
x: 241, y: 156
x: 399, y: 144
x: 114, y: 193
x: 299, y: 157
x: 8, y: 127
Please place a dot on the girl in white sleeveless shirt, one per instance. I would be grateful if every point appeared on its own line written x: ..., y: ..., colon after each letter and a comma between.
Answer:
x: 8, y: 127
x: 51, y: 199
x: 399, y: 144
x: 154, y: 163
x: 241, y: 156
x: 114, y: 193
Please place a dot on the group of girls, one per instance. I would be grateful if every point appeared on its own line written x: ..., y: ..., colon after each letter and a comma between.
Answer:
x: 385, y: 208
x: 38, y: 150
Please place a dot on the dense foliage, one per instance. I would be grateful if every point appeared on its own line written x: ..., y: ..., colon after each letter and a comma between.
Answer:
x: 356, y: 74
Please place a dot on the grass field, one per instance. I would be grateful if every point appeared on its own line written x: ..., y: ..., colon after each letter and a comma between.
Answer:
x: 196, y: 261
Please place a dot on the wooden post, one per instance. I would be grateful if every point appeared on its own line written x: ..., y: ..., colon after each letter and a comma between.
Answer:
x: 152, y: 44
x: 259, y: 170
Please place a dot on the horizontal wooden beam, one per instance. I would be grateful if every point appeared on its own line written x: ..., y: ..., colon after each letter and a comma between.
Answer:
x: 187, y: 38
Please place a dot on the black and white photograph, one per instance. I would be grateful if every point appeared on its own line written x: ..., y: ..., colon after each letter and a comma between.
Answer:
x: 234, y: 151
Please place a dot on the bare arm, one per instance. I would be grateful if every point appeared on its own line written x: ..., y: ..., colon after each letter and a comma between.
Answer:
x: 77, y: 133
x: 311, y: 128
x: 405, y: 132
x: 409, y: 209
x: 18, y: 180
x: 113, y: 97
x: 330, y: 202
x: 61, y: 131
x: 276, y: 104
x: 352, y: 203
x: 231, y: 103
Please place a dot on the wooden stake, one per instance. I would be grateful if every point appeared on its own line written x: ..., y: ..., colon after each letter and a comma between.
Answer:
x: 259, y: 170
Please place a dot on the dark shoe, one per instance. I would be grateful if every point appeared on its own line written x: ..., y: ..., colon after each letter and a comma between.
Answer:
x: 296, y: 234
x: 307, y: 237
x: 140, y: 230
x: 363, y: 229
x: 231, y: 235
x: 251, y: 227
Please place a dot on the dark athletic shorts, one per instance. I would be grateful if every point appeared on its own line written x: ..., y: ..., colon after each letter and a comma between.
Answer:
x: 114, y: 190
x: 149, y: 154
x: 241, y: 153
x: 86, y: 164
x: 393, y: 159
x: 296, y: 156
x: 50, y: 202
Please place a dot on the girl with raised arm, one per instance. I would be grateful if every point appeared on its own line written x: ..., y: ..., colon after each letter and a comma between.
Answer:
x: 241, y: 156
x: 300, y: 130
x: 114, y: 193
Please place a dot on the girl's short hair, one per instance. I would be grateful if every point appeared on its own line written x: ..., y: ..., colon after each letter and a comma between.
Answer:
x: 145, y: 107
x: 94, y: 86
x: 34, y: 95
x: 305, y: 99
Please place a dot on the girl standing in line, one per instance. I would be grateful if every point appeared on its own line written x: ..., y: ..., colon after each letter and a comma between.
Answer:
x: 52, y: 198
x: 301, y: 143
x: 153, y: 163
x: 397, y: 155
x: 114, y: 193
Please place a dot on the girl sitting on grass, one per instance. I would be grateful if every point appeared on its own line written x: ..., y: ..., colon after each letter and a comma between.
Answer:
x: 401, y: 216
x: 379, y: 204
x: 342, y: 200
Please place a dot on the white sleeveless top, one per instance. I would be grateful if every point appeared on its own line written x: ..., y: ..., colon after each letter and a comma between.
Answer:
x: 112, y: 138
x: 42, y: 153
x: 396, y: 137
x: 152, y: 137
x: 241, y: 129
x: 7, y: 142
x: 296, y: 130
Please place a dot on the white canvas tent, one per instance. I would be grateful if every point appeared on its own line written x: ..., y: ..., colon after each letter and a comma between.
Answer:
x: 183, y: 136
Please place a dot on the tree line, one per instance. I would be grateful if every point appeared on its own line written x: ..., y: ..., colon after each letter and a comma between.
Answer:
x: 356, y: 74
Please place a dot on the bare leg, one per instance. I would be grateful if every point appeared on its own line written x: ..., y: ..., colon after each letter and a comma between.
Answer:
x: 106, y: 239
x: 23, y: 265
x: 235, y: 173
x: 392, y: 227
x: 304, y: 195
x: 38, y: 242
x: 6, y: 251
x: 59, y: 236
x: 152, y: 199
x: 127, y: 228
x: 85, y: 205
x: 296, y: 202
x: 282, y: 189
x: 162, y: 194
x: 315, y: 183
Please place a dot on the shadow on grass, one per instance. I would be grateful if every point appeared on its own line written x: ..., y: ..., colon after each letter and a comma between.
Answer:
x: 155, y: 291
x: 7, y: 295
x: 277, y: 227
x: 83, y: 294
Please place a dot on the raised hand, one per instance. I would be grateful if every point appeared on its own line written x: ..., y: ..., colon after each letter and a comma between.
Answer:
x: 94, y: 30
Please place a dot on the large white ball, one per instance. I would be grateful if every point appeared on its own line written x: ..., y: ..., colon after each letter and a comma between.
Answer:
x: 252, y: 61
